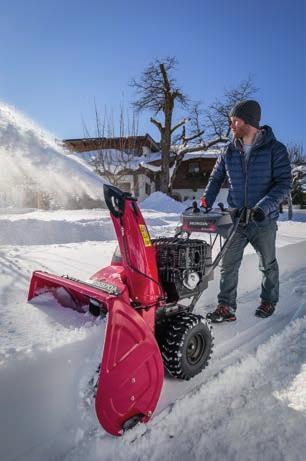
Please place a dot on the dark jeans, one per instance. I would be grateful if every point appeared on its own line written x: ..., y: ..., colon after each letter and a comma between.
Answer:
x: 263, y: 241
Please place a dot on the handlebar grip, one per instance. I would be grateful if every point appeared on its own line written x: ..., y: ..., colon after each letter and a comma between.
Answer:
x: 221, y: 206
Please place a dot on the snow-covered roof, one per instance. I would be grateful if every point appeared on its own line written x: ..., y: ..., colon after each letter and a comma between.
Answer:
x: 135, y: 143
x: 151, y: 157
x: 212, y: 153
x: 146, y: 163
x: 149, y: 166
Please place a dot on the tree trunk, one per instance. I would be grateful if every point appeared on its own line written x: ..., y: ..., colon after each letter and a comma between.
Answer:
x: 178, y: 162
x: 165, y: 160
x: 166, y: 146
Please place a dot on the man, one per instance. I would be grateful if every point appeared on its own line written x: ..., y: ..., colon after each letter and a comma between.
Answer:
x: 258, y: 172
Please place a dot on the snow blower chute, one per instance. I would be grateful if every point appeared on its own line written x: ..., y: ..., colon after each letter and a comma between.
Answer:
x: 149, y: 292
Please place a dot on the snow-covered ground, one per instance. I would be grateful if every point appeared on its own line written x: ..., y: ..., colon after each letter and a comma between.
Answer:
x: 250, y: 403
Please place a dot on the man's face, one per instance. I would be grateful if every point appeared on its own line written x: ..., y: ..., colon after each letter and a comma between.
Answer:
x: 239, y: 127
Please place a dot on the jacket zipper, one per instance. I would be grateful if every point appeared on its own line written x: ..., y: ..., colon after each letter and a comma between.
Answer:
x: 246, y: 166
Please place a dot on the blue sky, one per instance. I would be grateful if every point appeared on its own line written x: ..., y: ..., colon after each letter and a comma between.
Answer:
x: 57, y: 56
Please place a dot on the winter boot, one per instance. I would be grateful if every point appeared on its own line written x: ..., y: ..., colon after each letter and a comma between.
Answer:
x: 265, y: 309
x: 222, y: 314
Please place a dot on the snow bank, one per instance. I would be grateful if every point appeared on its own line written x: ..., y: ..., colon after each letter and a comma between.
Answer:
x: 68, y: 226
x: 159, y: 201
x: 50, y: 232
x: 31, y: 161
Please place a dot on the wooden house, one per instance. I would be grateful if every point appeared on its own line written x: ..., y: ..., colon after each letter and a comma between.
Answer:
x: 140, y: 175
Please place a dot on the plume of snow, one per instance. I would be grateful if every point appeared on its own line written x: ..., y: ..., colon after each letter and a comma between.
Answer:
x: 31, y: 159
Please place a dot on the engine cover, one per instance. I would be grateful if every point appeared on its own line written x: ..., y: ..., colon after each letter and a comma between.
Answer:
x: 182, y: 265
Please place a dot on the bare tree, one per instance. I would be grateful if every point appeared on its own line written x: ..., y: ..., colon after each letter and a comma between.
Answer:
x: 296, y: 156
x: 158, y: 92
x: 217, y: 114
x: 114, y: 163
x: 296, y: 153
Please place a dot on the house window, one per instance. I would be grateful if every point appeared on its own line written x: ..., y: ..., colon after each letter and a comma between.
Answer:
x: 148, y: 188
x: 194, y: 168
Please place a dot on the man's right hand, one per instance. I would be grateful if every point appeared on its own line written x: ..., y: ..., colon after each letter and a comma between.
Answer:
x: 203, y: 204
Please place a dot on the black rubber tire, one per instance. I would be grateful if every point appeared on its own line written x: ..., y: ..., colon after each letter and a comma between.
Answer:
x: 132, y: 422
x: 187, y: 345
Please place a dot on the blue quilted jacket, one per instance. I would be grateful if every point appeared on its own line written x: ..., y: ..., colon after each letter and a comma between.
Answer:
x: 264, y: 180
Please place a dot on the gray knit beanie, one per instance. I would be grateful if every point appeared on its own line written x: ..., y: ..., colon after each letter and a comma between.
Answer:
x: 248, y: 110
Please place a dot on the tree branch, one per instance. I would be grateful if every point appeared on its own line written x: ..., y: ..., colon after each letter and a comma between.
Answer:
x: 165, y: 77
x: 195, y: 136
x: 203, y: 146
x: 157, y: 124
x: 179, y: 124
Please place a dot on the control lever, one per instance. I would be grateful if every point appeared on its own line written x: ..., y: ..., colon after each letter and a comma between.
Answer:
x: 221, y: 206
x: 195, y: 207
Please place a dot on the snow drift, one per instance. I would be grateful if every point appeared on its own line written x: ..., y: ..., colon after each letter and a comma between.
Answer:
x: 32, y: 161
x: 159, y: 201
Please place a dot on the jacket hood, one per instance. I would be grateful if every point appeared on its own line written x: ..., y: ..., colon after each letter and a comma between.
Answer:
x: 264, y: 136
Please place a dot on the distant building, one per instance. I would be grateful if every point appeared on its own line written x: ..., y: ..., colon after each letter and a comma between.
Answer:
x: 122, y: 158
x: 136, y: 161
x: 192, y: 176
x: 138, y: 145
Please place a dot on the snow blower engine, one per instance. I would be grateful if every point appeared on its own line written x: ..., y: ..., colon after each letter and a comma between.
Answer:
x: 149, y: 293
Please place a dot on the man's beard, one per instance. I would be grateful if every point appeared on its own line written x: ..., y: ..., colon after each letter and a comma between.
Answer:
x: 240, y: 134
x: 237, y: 135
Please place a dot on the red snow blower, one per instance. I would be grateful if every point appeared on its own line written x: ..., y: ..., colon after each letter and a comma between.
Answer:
x: 149, y: 292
